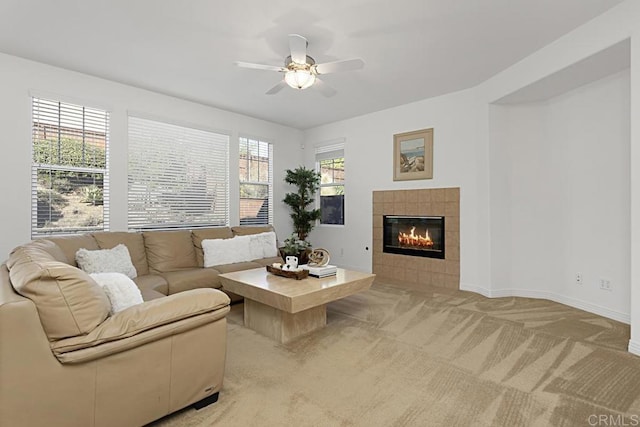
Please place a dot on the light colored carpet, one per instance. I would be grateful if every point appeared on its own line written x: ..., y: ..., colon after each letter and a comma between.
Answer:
x: 397, y: 357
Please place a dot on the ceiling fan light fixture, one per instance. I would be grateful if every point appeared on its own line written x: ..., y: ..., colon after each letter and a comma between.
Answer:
x: 300, y: 79
x: 301, y: 71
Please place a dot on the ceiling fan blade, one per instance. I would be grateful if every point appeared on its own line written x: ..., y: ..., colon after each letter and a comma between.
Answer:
x: 298, y: 47
x: 260, y: 66
x: 277, y: 88
x: 337, y: 66
x: 324, y: 88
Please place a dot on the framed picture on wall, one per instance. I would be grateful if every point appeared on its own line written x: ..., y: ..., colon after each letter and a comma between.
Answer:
x: 413, y: 155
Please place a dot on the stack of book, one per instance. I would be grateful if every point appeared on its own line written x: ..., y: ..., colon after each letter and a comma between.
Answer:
x: 324, y: 271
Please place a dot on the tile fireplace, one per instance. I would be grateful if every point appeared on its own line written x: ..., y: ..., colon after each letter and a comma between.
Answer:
x: 435, y: 214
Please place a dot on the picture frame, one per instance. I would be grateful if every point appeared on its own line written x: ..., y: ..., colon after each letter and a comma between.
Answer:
x: 413, y: 155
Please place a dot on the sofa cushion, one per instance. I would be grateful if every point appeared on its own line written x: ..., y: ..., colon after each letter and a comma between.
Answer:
x: 185, y: 280
x: 120, y: 289
x: 68, y: 300
x: 146, y: 321
x: 245, y: 230
x: 230, y: 268
x: 199, y: 234
x: 51, y: 248
x: 169, y: 250
x: 71, y: 244
x: 150, y: 294
x: 152, y: 282
x: 114, y: 260
x: 134, y: 243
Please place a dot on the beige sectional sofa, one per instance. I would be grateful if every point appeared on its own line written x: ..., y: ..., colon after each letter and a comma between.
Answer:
x: 168, y: 262
x: 65, y: 361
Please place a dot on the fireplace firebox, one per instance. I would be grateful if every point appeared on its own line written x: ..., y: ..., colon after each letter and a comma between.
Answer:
x: 414, y: 235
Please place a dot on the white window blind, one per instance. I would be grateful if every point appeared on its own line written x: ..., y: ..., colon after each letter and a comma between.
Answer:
x: 178, y: 176
x: 69, y: 179
x: 330, y: 164
x: 331, y: 151
x: 256, y: 182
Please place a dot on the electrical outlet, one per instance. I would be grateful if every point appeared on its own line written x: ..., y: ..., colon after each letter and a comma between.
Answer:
x: 578, y: 278
x: 605, y: 284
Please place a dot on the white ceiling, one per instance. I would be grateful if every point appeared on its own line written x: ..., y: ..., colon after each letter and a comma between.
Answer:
x: 413, y: 49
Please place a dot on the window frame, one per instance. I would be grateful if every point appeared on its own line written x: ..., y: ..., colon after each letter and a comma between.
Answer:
x: 268, y: 183
x: 331, y: 151
x: 92, y: 116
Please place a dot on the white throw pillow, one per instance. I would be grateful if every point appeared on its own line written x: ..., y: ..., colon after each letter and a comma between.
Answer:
x: 115, y: 260
x: 263, y: 245
x: 226, y: 251
x: 239, y: 249
x: 121, y: 290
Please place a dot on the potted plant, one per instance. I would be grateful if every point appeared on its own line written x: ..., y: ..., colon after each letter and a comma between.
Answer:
x: 307, y: 182
x: 294, y: 246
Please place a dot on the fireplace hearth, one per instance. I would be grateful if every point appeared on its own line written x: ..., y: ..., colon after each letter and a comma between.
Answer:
x: 421, y: 236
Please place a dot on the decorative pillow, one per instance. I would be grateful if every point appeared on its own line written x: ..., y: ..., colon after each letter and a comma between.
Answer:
x: 115, y: 260
x: 239, y: 249
x: 263, y: 245
x: 121, y: 290
x: 226, y: 251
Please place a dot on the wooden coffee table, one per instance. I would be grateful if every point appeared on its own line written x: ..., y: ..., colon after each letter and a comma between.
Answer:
x: 283, y: 308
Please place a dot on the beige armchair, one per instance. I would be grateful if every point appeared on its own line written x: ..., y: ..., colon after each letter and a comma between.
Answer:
x: 64, y: 361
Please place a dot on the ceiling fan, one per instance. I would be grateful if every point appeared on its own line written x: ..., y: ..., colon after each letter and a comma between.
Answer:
x: 301, y: 71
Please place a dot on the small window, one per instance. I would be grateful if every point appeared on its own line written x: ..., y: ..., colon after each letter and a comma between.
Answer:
x: 256, y: 182
x: 70, y: 183
x: 330, y: 164
x: 178, y: 176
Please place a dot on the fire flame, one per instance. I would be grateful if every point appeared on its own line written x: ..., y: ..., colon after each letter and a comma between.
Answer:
x: 415, y: 240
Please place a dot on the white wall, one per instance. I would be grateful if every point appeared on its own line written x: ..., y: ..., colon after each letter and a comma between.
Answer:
x: 560, y: 197
x: 539, y: 166
x: 612, y: 27
x: 634, y: 342
x: 499, y: 181
x: 369, y: 166
x: 19, y: 78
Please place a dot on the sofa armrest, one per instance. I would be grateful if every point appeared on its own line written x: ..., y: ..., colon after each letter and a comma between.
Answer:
x: 142, y: 323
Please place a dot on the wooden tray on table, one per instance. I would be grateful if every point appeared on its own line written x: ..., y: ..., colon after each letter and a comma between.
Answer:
x: 298, y: 275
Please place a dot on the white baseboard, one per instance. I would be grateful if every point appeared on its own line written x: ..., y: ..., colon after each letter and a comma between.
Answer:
x: 476, y: 289
x: 634, y: 347
x: 562, y: 299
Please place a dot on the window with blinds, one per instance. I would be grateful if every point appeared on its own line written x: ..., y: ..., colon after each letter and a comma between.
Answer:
x: 69, y: 179
x: 256, y: 182
x: 178, y: 176
x: 330, y: 164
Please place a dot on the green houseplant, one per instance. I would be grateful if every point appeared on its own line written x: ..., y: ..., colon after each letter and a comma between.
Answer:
x: 307, y: 182
x: 295, y: 246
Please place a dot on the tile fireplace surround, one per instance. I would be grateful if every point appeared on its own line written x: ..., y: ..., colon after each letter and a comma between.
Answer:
x: 412, y: 270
